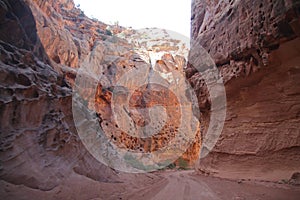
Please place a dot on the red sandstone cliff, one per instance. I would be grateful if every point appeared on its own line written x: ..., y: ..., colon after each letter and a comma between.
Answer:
x: 43, y: 43
x: 39, y: 144
x: 255, y: 45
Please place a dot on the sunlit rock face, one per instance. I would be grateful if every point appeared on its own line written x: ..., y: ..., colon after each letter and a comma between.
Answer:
x: 79, y: 42
x: 129, y: 90
x: 255, y: 45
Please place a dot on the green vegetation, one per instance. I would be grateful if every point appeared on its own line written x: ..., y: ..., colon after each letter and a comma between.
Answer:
x: 182, y: 164
x: 137, y: 164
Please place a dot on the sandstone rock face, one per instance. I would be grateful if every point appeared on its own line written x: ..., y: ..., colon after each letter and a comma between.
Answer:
x: 123, y: 101
x: 255, y: 45
x: 39, y: 145
x: 73, y: 41
x: 43, y: 45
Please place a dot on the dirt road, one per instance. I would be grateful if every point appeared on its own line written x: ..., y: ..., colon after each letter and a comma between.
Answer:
x: 186, y: 185
x: 181, y: 186
x: 163, y: 185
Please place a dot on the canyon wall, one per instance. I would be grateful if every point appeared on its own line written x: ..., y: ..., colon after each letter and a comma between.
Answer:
x: 255, y: 45
x: 39, y: 144
x: 73, y: 41
x: 43, y: 45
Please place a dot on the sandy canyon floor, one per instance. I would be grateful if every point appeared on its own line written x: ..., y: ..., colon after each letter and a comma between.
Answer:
x: 181, y: 185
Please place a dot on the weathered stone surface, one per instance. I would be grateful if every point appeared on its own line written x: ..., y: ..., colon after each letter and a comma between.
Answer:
x: 39, y: 146
x: 43, y: 44
x: 255, y: 45
x: 74, y: 41
x: 125, y: 132
x: 256, y: 28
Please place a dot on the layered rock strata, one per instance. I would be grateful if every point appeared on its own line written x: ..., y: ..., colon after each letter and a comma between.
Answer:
x: 255, y: 45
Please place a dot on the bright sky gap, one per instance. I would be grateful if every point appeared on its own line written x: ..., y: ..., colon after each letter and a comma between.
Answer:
x: 167, y: 14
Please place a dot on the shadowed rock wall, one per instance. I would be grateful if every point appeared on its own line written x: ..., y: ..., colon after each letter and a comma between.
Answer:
x: 255, y: 45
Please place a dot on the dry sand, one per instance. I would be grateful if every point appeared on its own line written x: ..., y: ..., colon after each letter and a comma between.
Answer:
x: 163, y: 185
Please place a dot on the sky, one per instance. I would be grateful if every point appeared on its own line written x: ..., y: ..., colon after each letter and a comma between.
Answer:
x: 168, y: 14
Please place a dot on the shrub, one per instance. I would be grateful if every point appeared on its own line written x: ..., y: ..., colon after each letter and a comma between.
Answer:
x: 108, y: 32
x: 183, y: 164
